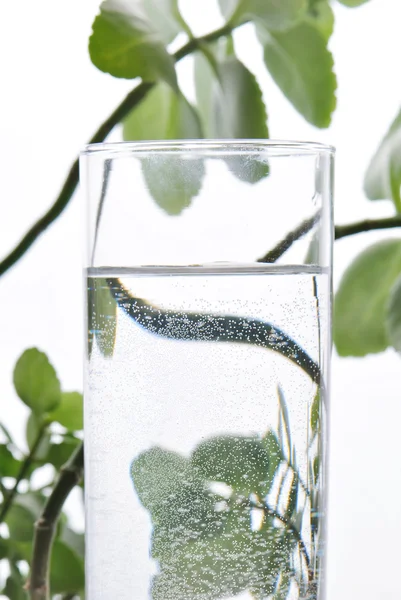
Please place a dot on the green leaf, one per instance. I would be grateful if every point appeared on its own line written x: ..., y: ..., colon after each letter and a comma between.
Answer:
x: 316, y: 468
x: 383, y: 177
x: 33, y: 427
x: 126, y: 44
x: 393, y: 316
x: 361, y: 301
x: 102, y: 309
x: 315, y: 413
x: 292, y: 497
x: 9, y: 465
x: 166, y: 18
x: 69, y: 412
x: 232, y: 560
x: 302, y: 66
x: 240, y: 462
x: 321, y: 16
x: 273, y: 448
x: 74, y: 540
x: 58, y: 454
x: 232, y: 107
x: 66, y: 570
x: 36, y: 382
x: 352, y: 3
x: 22, y: 516
x: 14, y: 589
x: 167, y: 487
x: 275, y: 15
x: 172, y: 180
x: 164, y: 115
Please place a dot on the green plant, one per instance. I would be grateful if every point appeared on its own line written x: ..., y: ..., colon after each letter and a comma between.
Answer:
x: 130, y: 40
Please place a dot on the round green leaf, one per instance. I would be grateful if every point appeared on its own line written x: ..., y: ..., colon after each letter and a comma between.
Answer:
x: 321, y: 16
x: 172, y: 181
x: 360, y: 305
x: 36, y: 382
x: 240, y: 462
x: 166, y: 18
x: 383, y: 177
x: 393, y: 317
x: 125, y: 44
x: 302, y: 66
x: 66, y: 570
x: 275, y: 15
x: 69, y: 412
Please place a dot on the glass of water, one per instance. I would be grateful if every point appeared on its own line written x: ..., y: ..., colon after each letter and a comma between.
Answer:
x: 207, y: 372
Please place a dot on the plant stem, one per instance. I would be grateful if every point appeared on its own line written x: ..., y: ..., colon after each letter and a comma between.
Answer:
x: 129, y: 103
x: 8, y: 500
x: 342, y: 231
x: 294, y: 235
x: 70, y: 475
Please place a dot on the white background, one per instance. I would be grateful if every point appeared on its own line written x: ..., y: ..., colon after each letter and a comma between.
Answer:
x: 53, y: 99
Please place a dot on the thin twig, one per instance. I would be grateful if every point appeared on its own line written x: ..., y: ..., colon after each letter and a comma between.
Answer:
x: 70, y: 475
x: 130, y: 101
x: 105, y: 185
x: 342, y: 231
x: 294, y: 235
x: 21, y: 475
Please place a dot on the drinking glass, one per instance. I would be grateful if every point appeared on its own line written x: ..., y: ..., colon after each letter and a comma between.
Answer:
x: 208, y: 267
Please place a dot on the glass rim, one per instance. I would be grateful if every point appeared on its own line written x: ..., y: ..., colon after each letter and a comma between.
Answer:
x: 211, y: 146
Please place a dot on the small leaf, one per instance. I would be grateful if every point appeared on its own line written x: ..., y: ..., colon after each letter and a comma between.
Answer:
x: 321, y: 16
x: 232, y: 107
x: 316, y: 468
x: 393, y: 316
x: 69, y: 412
x: 58, y: 454
x: 33, y: 427
x: 173, y: 181
x: 9, y: 465
x: 315, y: 413
x: 168, y: 488
x: 240, y: 462
x: 275, y: 15
x: 166, y: 18
x: 361, y: 301
x: 102, y: 310
x: 74, y: 540
x: 22, y: 516
x: 14, y: 589
x: 273, y: 448
x: 125, y: 44
x: 302, y: 66
x: 66, y: 570
x: 352, y: 3
x: 383, y: 177
x: 36, y: 382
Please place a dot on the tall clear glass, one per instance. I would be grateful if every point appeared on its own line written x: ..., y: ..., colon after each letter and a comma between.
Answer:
x: 209, y: 302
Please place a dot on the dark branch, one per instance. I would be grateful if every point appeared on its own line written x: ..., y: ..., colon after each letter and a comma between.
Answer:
x: 70, y: 475
x: 294, y: 235
x: 129, y: 103
x: 342, y: 231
